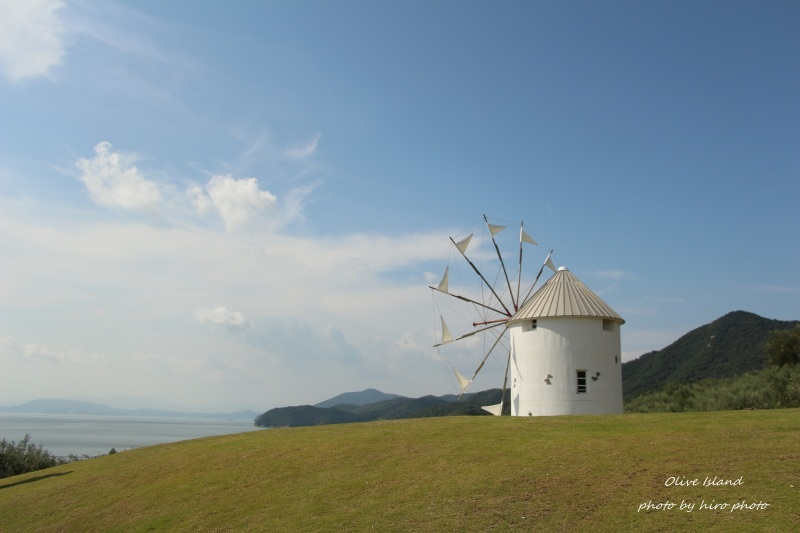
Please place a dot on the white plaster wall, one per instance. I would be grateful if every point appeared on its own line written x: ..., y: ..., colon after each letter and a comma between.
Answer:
x: 559, y: 347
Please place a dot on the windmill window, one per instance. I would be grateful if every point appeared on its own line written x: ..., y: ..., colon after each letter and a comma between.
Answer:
x: 581, y: 381
x: 533, y: 324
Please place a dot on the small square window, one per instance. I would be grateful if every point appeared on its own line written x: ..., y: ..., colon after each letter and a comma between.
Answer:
x: 608, y: 325
x: 581, y: 381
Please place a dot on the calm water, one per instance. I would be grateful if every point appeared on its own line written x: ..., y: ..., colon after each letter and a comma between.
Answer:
x: 63, y: 435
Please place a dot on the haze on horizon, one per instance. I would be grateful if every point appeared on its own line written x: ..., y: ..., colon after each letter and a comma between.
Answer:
x: 241, y: 206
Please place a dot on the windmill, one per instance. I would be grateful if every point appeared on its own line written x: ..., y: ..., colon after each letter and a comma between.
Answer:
x: 560, y: 344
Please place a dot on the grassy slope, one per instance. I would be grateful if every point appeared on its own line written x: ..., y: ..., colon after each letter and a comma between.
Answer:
x: 437, y: 474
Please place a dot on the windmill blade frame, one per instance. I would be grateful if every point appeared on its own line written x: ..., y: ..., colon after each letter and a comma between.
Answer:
x: 495, y: 308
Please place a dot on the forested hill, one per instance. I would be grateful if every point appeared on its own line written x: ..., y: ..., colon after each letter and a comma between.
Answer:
x: 392, y: 409
x: 357, y: 398
x: 729, y: 346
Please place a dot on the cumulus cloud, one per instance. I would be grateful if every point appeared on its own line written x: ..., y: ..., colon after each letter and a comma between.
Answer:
x: 238, y: 201
x: 220, y: 316
x: 303, y: 150
x: 200, y: 200
x: 30, y: 37
x: 112, y: 182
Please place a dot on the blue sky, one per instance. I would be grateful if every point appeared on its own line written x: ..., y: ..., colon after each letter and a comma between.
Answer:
x: 241, y: 205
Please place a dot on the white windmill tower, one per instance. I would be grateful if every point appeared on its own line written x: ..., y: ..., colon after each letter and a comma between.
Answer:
x: 565, y: 352
x: 562, y: 342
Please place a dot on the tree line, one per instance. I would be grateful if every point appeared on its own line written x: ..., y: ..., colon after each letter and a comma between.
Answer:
x: 25, y: 456
x: 775, y: 387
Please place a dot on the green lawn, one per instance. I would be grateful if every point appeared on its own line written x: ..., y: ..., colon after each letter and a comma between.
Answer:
x: 435, y: 474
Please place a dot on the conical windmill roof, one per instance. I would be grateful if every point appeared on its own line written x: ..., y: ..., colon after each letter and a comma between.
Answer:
x: 564, y: 295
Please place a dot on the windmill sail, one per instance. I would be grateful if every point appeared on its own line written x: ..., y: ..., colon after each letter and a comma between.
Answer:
x: 524, y: 237
x: 448, y: 338
x: 446, y: 335
x: 462, y: 381
x: 462, y: 244
x: 478, y: 272
x: 443, y: 285
x: 549, y: 262
x: 495, y: 409
x: 494, y: 229
x: 497, y: 229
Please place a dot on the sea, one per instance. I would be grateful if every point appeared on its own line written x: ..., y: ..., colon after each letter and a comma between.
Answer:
x: 94, y: 435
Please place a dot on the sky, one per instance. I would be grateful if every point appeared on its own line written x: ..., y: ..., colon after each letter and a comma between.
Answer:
x: 241, y: 205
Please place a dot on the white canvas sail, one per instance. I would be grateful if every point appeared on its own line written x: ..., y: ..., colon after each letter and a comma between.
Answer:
x: 550, y: 264
x: 446, y: 335
x: 443, y: 285
x: 524, y: 237
x: 462, y: 244
x: 495, y: 409
x: 462, y: 381
x: 494, y: 230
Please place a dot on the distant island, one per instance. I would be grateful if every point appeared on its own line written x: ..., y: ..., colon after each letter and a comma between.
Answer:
x: 394, y: 407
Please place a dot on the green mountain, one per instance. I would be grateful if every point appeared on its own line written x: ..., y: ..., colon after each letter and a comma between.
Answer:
x: 357, y: 398
x: 304, y: 415
x: 393, y: 409
x: 729, y: 346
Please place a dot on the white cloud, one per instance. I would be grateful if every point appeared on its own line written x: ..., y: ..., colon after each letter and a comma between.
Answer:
x: 220, y: 316
x: 409, y: 341
x: 42, y: 353
x: 238, y: 200
x: 200, y: 200
x: 124, y: 289
x: 113, y: 182
x: 30, y: 37
x: 303, y: 150
x: 294, y: 203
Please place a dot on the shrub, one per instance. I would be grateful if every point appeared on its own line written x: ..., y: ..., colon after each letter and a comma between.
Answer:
x: 24, y: 456
x: 771, y: 388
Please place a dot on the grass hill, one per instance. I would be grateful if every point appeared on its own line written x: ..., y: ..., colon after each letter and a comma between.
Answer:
x: 729, y: 346
x: 604, y: 473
